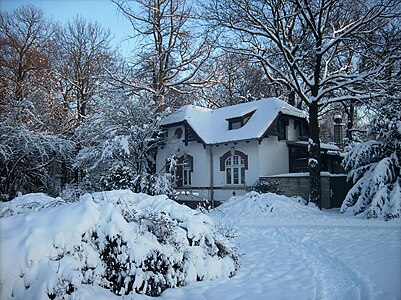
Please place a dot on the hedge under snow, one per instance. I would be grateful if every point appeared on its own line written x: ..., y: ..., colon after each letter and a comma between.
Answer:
x: 117, y: 240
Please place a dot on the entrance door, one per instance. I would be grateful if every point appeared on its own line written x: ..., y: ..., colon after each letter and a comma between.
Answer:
x: 339, y: 188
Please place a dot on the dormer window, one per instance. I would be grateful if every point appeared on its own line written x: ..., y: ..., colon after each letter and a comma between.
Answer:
x: 235, y: 125
x: 238, y: 122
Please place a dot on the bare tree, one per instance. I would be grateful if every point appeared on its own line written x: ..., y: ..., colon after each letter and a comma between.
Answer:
x: 237, y: 79
x: 85, y: 56
x: 171, y: 51
x: 305, y: 45
x: 32, y: 150
x: 24, y: 64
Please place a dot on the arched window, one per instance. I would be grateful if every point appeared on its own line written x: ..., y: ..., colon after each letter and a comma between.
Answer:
x: 234, y: 164
x: 235, y: 170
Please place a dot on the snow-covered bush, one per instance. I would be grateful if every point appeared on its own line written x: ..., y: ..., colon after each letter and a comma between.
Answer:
x: 265, y: 185
x: 27, y: 203
x: 153, y: 184
x: 119, y: 177
x: 122, y: 177
x: 375, y: 170
x: 257, y: 207
x: 31, y: 161
x: 124, y: 242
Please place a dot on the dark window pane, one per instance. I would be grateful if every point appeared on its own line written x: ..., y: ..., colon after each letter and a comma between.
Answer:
x: 236, y: 176
x: 228, y: 175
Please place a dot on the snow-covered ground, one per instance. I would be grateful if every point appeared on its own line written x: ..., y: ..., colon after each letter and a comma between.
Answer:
x: 292, y: 251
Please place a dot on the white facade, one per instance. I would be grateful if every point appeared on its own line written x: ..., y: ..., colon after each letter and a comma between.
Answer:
x: 260, y: 155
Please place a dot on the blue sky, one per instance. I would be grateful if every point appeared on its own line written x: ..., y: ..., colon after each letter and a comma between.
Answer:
x: 102, y: 11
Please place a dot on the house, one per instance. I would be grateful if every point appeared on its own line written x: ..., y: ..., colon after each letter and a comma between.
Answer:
x: 219, y: 153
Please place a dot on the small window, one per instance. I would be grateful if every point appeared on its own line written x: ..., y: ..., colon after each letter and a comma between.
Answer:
x: 178, y: 133
x: 236, y: 125
x: 238, y: 122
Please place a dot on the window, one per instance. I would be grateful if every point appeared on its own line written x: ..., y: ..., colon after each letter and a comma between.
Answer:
x: 186, y: 172
x: 181, y: 175
x: 238, y: 122
x: 178, y: 133
x: 235, y: 170
x: 236, y: 125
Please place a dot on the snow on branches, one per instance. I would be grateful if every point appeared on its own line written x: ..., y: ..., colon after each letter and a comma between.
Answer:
x: 118, y: 145
x: 30, y: 160
x: 375, y: 170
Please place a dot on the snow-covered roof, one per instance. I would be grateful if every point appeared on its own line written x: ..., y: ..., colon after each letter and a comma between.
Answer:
x: 212, y: 125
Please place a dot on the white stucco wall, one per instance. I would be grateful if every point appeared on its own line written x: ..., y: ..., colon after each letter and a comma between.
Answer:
x: 250, y: 149
x: 273, y: 157
x: 172, y: 146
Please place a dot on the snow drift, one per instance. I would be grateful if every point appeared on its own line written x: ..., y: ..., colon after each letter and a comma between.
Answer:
x: 256, y: 207
x: 117, y: 240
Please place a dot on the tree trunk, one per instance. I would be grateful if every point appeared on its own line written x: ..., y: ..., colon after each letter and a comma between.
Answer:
x: 350, y: 111
x: 314, y: 156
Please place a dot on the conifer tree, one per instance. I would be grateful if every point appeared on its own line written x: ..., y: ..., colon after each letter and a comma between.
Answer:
x: 375, y: 168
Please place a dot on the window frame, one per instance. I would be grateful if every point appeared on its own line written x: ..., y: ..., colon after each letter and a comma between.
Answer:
x: 186, y: 172
x: 181, y: 176
x: 234, y: 170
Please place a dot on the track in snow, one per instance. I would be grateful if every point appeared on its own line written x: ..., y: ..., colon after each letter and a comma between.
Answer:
x: 285, y: 262
x: 333, y: 279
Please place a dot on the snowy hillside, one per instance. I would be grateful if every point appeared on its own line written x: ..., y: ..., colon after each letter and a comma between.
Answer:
x: 288, y: 250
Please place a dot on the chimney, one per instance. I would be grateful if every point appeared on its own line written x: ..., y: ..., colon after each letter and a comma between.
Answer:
x: 291, y: 98
x: 338, y: 130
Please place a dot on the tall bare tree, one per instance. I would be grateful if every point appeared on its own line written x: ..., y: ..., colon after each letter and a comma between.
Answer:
x: 32, y: 150
x: 238, y: 79
x: 24, y: 62
x: 305, y: 45
x: 171, y: 51
x: 85, y: 56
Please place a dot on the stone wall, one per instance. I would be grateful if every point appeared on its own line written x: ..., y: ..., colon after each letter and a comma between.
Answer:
x: 298, y: 185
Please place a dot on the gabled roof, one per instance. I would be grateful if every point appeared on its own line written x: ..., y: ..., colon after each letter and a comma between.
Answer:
x: 212, y: 125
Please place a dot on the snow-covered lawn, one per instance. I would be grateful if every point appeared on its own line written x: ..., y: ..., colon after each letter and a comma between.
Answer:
x: 292, y: 251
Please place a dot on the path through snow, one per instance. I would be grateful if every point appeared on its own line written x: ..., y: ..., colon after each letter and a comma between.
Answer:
x: 313, y: 254
x: 288, y: 263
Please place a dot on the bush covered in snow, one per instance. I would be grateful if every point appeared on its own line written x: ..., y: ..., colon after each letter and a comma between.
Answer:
x: 27, y: 203
x: 265, y: 185
x: 375, y: 170
x: 31, y: 161
x: 120, y: 241
x: 122, y: 177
